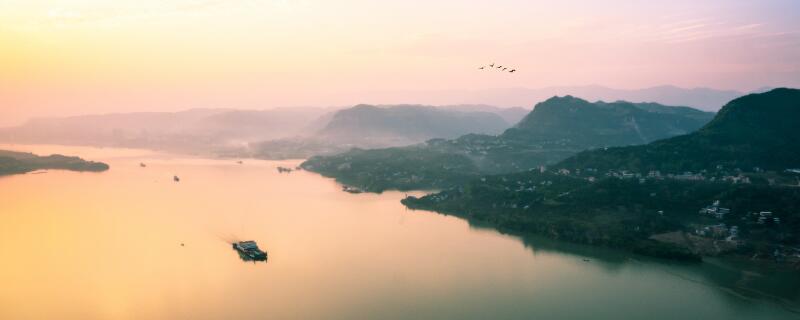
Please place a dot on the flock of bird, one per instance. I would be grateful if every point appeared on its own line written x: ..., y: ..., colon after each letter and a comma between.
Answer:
x: 502, y: 68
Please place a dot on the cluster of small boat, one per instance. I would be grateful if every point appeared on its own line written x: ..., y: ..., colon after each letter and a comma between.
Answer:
x: 285, y: 170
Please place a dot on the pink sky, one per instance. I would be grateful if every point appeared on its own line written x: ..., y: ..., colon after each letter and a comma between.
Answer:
x: 96, y: 56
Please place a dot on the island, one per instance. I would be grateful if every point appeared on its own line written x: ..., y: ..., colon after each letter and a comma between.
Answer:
x: 14, y: 162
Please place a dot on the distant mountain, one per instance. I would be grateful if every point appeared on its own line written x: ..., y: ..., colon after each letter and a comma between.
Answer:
x: 12, y: 162
x: 272, y: 133
x: 554, y: 130
x: 195, y: 131
x: 511, y: 115
x: 368, y: 126
x: 756, y: 130
x: 583, y: 124
x: 414, y: 123
x: 701, y: 98
x: 706, y: 99
x: 255, y: 125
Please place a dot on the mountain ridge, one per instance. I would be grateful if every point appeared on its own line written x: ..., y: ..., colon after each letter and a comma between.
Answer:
x: 756, y: 130
x: 549, y: 133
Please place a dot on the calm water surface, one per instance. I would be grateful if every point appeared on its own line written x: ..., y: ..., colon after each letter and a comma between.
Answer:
x: 108, y: 246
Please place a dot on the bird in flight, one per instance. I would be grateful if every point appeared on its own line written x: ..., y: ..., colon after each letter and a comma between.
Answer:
x: 492, y: 66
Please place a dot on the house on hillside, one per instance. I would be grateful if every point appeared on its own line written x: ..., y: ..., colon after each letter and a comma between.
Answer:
x: 715, y: 210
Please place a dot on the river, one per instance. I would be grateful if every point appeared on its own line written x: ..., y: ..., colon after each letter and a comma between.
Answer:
x: 130, y: 243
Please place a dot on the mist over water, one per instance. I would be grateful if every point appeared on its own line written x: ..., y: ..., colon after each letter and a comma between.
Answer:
x: 108, y: 246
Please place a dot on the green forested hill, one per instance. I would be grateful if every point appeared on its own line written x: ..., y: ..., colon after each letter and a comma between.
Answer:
x: 554, y: 130
x: 640, y: 198
x: 757, y: 130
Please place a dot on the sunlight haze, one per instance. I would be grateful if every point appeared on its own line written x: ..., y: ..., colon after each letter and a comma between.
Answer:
x: 92, y: 56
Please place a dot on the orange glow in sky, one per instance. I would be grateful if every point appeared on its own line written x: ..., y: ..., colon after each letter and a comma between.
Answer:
x: 91, y: 56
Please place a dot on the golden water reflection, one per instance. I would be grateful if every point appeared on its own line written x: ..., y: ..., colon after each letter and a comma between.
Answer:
x: 108, y: 246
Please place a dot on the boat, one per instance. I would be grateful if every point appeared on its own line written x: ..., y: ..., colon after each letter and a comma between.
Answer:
x: 250, y: 250
x: 351, y: 189
x: 284, y: 169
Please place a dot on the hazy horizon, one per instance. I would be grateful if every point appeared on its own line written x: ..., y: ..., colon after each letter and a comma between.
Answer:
x: 518, y: 97
x: 95, y: 56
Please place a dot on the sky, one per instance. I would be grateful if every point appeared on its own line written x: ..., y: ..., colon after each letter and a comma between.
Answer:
x: 100, y: 56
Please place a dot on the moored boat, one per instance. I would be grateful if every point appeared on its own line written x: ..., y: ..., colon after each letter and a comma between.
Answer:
x: 351, y: 189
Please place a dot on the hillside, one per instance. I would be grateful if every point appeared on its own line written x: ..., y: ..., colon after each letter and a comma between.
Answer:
x: 556, y: 129
x: 12, y: 162
x: 757, y: 130
x: 630, y: 213
x: 640, y: 198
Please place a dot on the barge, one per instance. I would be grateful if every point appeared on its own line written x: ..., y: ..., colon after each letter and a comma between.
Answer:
x: 250, y: 250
